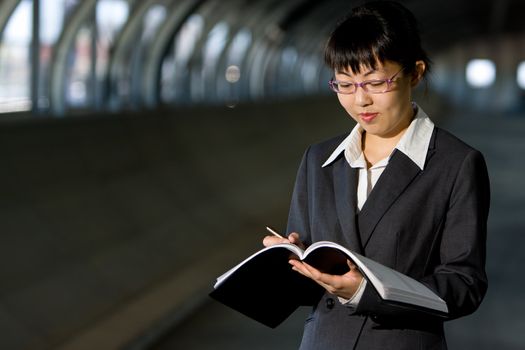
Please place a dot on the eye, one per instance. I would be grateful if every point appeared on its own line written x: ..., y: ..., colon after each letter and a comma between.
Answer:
x: 344, y: 85
x: 376, y: 83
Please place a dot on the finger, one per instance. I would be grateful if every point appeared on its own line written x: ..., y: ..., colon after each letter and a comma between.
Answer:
x: 328, y: 281
x: 295, y: 239
x: 299, y: 267
x: 354, y: 271
x: 344, y: 285
x: 316, y: 274
x: 332, y: 283
x: 273, y: 240
x: 324, y: 280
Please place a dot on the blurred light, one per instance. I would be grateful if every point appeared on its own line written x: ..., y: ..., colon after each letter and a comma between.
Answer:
x: 51, y: 19
x: 215, y: 44
x: 289, y: 56
x: 111, y: 16
x: 520, y: 77
x: 78, y: 91
x: 187, y: 38
x: 481, y: 73
x: 153, y: 19
x: 240, y: 44
x: 233, y: 74
x: 231, y: 104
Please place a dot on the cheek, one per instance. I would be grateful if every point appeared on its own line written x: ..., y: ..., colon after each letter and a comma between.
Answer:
x: 342, y: 100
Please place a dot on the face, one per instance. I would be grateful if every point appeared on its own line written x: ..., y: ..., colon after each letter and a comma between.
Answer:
x: 386, y: 114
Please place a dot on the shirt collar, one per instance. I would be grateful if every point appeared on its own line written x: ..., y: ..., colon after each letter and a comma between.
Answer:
x: 414, y: 143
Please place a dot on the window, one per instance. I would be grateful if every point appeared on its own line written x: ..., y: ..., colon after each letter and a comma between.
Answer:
x: 52, y: 15
x: 15, y: 61
x: 174, y: 69
x: 152, y: 20
x: 111, y: 17
x: 79, y: 73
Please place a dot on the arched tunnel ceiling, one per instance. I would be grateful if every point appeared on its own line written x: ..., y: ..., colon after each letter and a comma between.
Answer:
x: 443, y: 22
x: 282, y: 52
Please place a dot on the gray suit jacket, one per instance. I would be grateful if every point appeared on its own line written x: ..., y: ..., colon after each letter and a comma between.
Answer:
x: 430, y: 225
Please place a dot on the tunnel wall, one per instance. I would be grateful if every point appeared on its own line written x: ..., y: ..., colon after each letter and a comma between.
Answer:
x: 97, y: 212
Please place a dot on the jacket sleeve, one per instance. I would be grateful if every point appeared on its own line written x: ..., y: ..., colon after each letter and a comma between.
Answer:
x: 298, y: 217
x: 459, y: 278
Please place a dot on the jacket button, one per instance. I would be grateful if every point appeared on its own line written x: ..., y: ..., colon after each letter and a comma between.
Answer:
x: 330, y: 303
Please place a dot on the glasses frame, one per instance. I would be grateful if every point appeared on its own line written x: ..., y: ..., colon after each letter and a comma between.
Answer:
x: 332, y: 83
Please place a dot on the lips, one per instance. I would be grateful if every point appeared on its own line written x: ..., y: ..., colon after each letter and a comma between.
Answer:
x: 368, y: 117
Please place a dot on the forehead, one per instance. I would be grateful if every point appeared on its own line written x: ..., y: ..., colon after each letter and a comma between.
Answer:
x: 366, y: 69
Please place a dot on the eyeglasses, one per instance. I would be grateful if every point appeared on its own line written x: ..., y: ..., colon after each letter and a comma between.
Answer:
x: 377, y: 86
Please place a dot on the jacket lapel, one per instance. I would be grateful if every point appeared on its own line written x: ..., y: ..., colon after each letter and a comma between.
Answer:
x: 345, y: 193
x: 398, y: 174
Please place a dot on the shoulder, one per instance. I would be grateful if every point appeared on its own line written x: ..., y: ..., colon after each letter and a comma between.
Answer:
x: 450, y: 153
x: 447, y: 143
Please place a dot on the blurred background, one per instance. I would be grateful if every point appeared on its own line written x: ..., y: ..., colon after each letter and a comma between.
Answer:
x: 145, y: 144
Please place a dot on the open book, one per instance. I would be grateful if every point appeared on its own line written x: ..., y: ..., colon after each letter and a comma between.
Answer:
x: 265, y: 288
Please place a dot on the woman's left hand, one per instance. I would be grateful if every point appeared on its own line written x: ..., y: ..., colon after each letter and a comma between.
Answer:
x: 343, y: 286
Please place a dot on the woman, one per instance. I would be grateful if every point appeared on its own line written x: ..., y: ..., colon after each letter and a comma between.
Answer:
x: 397, y: 189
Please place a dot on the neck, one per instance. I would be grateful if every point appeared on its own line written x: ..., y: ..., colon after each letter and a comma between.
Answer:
x: 376, y: 147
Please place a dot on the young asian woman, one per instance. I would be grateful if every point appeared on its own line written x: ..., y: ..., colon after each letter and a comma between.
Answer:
x: 397, y: 189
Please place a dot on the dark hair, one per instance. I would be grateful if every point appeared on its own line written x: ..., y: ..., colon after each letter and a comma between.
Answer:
x: 375, y: 32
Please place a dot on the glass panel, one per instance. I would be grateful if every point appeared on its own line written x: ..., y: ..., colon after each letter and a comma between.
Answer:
x: 167, y: 78
x: 51, y: 20
x: 151, y: 21
x: 15, y: 61
x: 111, y: 15
x: 309, y: 71
x: 201, y: 86
x: 215, y: 44
x: 153, y: 18
x: 233, y: 70
x: 239, y: 45
x: 70, y: 6
x: 187, y: 37
x: 89, y: 59
x: 77, y: 88
x: 174, y: 70
x: 52, y: 14
x: 288, y: 77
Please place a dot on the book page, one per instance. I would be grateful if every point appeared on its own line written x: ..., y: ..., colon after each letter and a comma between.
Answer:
x: 390, y: 284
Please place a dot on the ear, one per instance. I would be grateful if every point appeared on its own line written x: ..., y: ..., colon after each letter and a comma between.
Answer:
x: 419, y: 72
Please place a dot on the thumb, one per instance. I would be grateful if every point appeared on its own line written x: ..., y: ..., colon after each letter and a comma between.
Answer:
x: 351, y: 264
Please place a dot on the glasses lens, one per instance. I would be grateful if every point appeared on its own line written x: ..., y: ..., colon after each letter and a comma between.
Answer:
x: 376, y: 86
x: 343, y: 88
x: 371, y: 86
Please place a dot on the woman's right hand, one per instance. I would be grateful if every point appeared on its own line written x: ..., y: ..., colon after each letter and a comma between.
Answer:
x: 292, y: 238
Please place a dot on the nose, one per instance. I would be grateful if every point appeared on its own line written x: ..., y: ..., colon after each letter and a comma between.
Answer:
x: 361, y: 97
